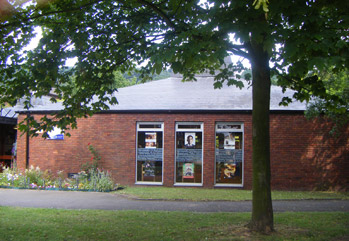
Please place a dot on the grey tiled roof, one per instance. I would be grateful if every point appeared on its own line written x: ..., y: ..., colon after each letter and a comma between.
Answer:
x: 173, y: 94
x: 11, y: 112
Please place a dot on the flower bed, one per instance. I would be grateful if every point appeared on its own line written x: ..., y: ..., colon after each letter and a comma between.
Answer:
x: 34, y: 178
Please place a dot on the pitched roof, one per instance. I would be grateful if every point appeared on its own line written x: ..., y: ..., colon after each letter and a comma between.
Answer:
x: 174, y: 95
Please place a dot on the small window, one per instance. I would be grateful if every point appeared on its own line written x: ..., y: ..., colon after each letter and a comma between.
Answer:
x: 150, y: 126
x: 228, y: 126
x: 198, y: 127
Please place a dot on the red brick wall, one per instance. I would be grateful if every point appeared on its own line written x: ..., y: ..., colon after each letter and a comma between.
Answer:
x: 303, y: 155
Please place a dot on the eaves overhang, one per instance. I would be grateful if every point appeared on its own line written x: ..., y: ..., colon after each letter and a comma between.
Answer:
x: 165, y: 111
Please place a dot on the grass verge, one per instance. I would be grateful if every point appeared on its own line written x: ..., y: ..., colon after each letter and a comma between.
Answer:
x: 202, y: 194
x: 53, y: 224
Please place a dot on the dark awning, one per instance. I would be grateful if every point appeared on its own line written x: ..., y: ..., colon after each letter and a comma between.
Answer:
x: 8, y: 116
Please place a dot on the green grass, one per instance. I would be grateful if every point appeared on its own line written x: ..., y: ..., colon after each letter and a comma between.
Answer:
x: 202, y: 194
x: 55, y: 224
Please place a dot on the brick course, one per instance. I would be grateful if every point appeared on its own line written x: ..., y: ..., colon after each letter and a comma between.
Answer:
x: 303, y: 155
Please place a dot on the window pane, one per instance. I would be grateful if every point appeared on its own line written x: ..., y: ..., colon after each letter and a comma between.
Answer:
x: 188, y: 172
x: 228, y: 126
x: 189, y: 140
x: 149, y: 156
x: 228, y: 173
x: 188, y: 157
x: 189, y: 127
x: 229, y: 140
x: 229, y: 157
x: 149, y: 126
x: 147, y: 139
x: 149, y: 171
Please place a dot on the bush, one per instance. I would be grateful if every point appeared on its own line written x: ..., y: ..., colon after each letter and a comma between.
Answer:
x: 95, y: 158
x: 100, y: 180
x: 34, y: 175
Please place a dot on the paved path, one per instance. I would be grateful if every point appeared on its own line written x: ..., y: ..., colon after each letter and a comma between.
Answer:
x: 112, y: 201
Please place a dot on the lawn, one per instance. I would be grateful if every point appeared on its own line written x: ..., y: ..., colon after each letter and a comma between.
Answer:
x: 55, y: 224
x: 203, y: 194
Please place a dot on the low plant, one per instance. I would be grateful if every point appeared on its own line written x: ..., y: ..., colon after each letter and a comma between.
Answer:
x: 34, y: 175
x: 100, y: 180
x: 9, y: 177
x: 35, y: 178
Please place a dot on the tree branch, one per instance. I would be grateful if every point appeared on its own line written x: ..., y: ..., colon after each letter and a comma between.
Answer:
x: 237, y: 49
x: 67, y: 10
x: 158, y: 11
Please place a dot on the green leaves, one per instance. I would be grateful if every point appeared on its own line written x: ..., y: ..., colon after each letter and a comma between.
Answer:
x: 264, y: 3
x: 300, y: 37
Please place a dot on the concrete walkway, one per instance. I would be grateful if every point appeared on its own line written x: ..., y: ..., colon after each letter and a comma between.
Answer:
x: 112, y: 201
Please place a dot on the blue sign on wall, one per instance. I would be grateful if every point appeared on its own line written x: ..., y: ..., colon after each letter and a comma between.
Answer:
x: 55, y: 134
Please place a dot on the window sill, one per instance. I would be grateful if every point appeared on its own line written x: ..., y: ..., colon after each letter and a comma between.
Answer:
x: 149, y: 183
x: 188, y: 185
x: 229, y: 185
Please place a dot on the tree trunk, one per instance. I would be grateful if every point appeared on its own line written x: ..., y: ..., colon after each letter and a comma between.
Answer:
x: 262, y: 210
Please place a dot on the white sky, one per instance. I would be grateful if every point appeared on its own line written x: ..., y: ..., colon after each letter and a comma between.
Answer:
x: 35, y: 41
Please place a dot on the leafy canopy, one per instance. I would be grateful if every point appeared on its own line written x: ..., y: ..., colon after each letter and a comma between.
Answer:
x: 336, y: 84
x: 301, y: 38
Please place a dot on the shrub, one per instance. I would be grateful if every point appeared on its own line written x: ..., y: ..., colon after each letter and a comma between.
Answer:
x: 100, y: 180
x: 35, y: 175
x: 95, y: 158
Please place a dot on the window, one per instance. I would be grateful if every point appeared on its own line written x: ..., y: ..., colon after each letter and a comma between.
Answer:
x: 149, y: 152
x: 229, y: 154
x: 189, y: 145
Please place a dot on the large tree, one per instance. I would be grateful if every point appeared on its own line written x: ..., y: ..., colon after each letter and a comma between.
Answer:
x: 287, y: 38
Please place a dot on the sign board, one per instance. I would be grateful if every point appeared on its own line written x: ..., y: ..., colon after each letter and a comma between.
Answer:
x: 149, y: 154
x: 227, y: 155
x: 55, y: 134
x: 192, y: 155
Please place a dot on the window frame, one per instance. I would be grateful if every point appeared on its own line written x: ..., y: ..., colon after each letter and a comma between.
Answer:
x: 138, y: 128
x: 241, y: 130
x: 177, y: 129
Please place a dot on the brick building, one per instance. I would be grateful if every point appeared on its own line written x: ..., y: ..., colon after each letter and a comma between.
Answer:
x: 172, y: 133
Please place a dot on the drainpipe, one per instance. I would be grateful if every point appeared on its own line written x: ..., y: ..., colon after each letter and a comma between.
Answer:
x: 27, y: 144
x: 27, y: 135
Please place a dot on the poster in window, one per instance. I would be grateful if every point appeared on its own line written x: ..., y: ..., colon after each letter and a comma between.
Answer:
x: 237, y: 142
x: 149, y: 169
x: 55, y: 134
x: 188, y: 170
x: 150, y: 140
x: 189, y: 140
x: 229, y: 141
x: 229, y: 170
